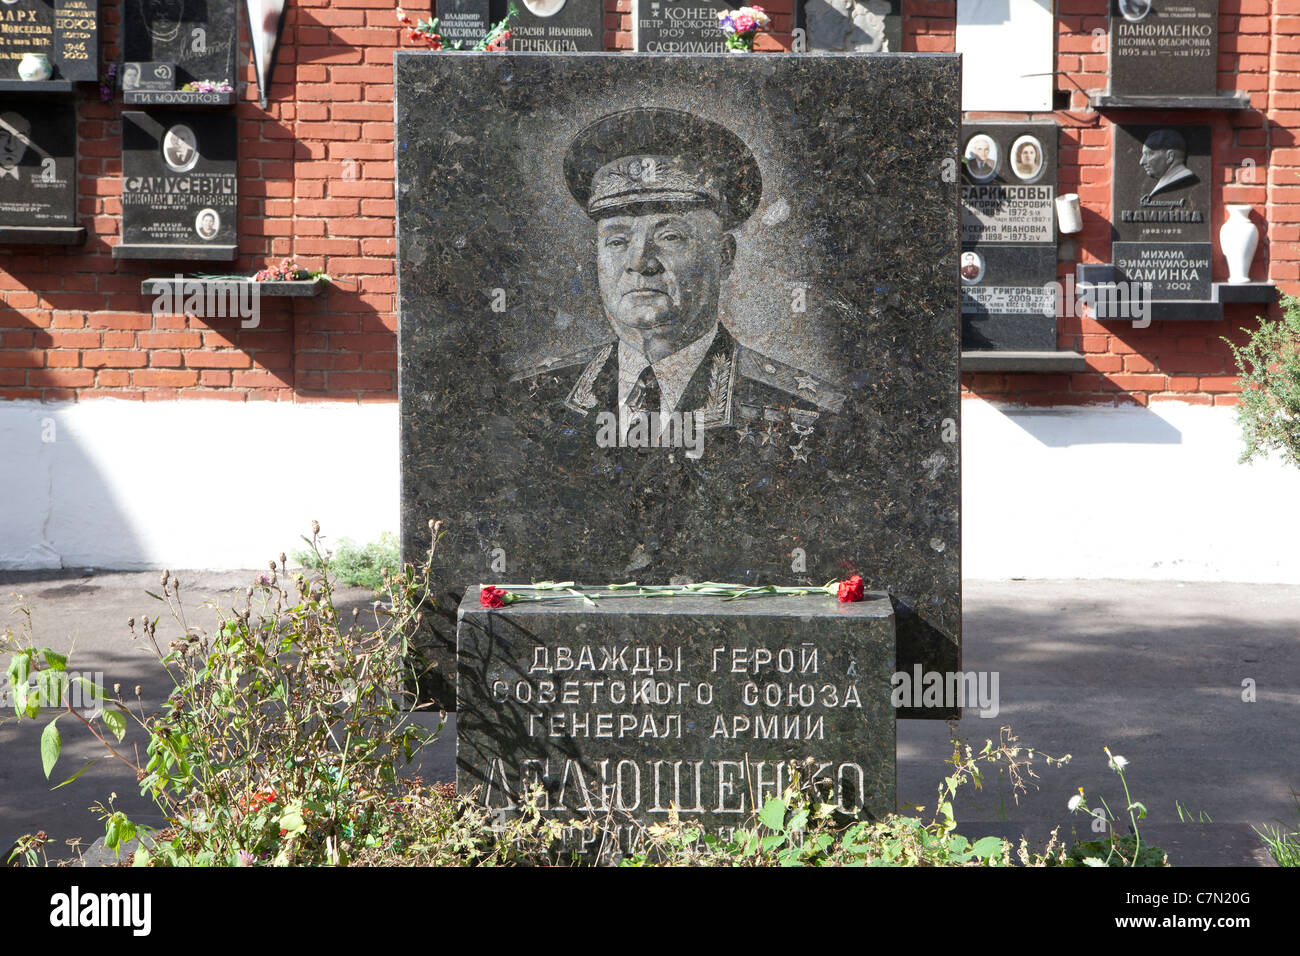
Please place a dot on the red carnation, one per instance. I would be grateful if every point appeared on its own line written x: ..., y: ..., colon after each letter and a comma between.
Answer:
x: 851, y: 590
x: 493, y: 597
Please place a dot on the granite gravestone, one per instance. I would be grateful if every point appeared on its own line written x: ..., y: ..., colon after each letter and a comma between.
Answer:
x: 555, y: 26
x: 851, y: 26
x: 1164, y: 47
x: 38, y: 163
x: 179, y: 176
x: 67, y: 31
x: 463, y: 21
x: 641, y: 705
x: 1161, y: 209
x: 1008, y: 263
x: 819, y: 425
x: 199, y: 37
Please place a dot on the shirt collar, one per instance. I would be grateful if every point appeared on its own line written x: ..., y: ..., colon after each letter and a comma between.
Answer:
x: 674, y: 371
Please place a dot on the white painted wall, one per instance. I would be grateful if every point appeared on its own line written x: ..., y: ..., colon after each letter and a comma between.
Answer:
x: 191, y: 484
x: 1122, y: 493
x: 1064, y: 492
x: 1008, y: 54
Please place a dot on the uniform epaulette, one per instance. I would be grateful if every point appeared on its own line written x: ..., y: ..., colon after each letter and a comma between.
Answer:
x: 789, y: 379
x: 552, y: 363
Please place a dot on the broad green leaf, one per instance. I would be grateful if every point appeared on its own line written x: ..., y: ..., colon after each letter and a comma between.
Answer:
x: 987, y: 847
x: 50, y: 686
x: 19, y: 665
x: 772, y: 815
x: 51, y: 745
x: 292, y: 821
x: 115, y: 721
x: 56, y: 660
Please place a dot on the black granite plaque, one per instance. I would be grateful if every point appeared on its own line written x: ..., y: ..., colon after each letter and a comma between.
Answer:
x: 1008, y: 263
x: 199, y: 36
x: 680, y: 27
x: 1162, y: 184
x: 66, y: 31
x: 784, y: 220
x: 1009, y: 300
x: 555, y: 26
x: 1164, y: 47
x: 148, y: 76
x: 38, y: 162
x: 1175, y: 270
x: 463, y: 21
x: 179, y: 183
x: 636, y: 705
x: 850, y: 26
x: 1161, y: 209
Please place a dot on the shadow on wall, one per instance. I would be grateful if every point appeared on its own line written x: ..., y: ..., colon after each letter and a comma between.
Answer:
x: 1065, y: 427
x: 45, y: 462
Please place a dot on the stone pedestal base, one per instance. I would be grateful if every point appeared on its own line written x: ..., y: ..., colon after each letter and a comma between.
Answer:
x: 638, y: 704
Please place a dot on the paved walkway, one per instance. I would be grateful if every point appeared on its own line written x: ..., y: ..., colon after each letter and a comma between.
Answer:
x: 1154, y: 670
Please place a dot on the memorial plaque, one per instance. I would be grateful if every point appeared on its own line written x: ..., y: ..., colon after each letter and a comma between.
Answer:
x: 38, y: 162
x: 1008, y: 263
x: 199, y: 36
x: 148, y: 76
x: 179, y: 179
x: 1164, y: 47
x: 639, y: 704
x: 676, y: 318
x: 1161, y: 209
x: 851, y: 26
x: 555, y: 26
x: 463, y: 21
x: 66, y: 31
x: 680, y: 27
x: 1175, y: 270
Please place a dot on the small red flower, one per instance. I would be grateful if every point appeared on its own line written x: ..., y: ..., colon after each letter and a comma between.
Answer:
x: 851, y: 590
x: 493, y: 597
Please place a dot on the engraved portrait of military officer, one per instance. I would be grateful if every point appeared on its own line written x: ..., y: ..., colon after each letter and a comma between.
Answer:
x: 1164, y: 159
x: 665, y: 192
x: 14, y: 132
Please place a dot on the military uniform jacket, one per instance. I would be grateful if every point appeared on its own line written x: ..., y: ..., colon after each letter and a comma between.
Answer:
x: 734, y: 392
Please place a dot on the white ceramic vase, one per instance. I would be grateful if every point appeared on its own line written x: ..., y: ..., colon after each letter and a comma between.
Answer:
x: 34, y: 67
x: 1238, y: 240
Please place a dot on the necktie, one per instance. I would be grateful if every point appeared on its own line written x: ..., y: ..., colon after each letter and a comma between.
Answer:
x: 644, y: 396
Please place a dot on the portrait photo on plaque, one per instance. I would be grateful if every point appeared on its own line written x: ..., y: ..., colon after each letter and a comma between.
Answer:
x: 1027, y: 158
x: 981, y: 158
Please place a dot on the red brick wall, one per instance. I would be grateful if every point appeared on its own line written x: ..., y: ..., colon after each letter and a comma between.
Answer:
x: 316, y: 184
x: 1178, y: 361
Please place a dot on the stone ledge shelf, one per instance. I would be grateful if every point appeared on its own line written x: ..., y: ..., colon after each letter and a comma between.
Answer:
x: 990, y: 360
x: 1235, y: 100
x: 36, y: 86
x: 1102, y: 275
x: 176, y: 98
x: 42, y: 235
x: 212, y: 253
x: 298, y: 288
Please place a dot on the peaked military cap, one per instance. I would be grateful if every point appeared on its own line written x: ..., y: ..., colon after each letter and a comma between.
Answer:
x: 646, y: 156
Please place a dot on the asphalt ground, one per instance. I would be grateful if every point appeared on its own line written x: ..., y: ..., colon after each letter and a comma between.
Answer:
x: 1162, y: 673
